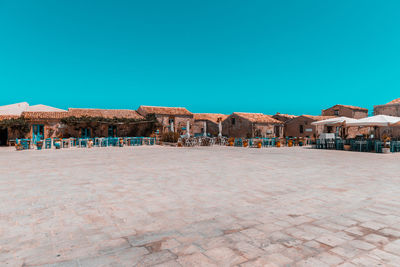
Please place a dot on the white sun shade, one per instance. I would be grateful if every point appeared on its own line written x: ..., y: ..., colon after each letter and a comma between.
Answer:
x: 335, y: 121
x: 378, y: 120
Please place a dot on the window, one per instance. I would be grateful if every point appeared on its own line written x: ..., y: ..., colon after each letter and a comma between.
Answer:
x: 301, y: 129
x: 336, y: 112
x: 329, y: 129
x: 233, y: 121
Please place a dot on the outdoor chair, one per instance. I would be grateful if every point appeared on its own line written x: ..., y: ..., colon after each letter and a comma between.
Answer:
x: 238, y: 142
x: 378, y: 146
x: 47, y: 143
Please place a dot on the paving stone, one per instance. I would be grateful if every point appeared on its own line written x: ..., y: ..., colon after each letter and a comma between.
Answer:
x: 157, y: 258
x: 361, y: 244
x: 329, y: 258
x: 385, y: 256
x: 331, y: 240
x: 311, y: 262
x: 195, y: 260
x: 373, y: 225
x: 375, y: 239
x: 367, y: 261
x: 224, y: 256
x: 393, y: 247
x: 390, y: 232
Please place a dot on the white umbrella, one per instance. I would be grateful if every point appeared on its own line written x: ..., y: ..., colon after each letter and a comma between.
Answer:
x: 172, y: 126
x: 375, y: 121
x: 205, y: 128
x: 335, y: 121
x: 187, y: 129
x: 220, y: 129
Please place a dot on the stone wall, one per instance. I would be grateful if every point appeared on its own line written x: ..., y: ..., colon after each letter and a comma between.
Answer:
x: 389, y: 109
x: 345, y: 112
x: 292, y: 128
x: 197, y: 127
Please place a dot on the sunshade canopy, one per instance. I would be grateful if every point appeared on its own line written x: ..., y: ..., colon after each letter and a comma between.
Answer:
x: 375, y: 121
x: 335, y: 121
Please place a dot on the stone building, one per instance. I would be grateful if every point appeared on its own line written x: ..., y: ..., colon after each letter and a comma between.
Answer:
x: 104, y: 123
x: 169, y: 118
x: 301, y: 126
x: 346, y: 111
x: 247, y: 125
x: 38, y: 125
x: 392, y: 108
x: 210, y: 119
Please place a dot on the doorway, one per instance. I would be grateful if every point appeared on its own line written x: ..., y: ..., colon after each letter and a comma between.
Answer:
x: 85, y: 133
x: 3, y: 137
x: 37, y: 132
x: 112, y: 131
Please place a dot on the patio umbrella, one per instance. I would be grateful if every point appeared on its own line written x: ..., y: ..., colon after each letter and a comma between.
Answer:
x: 205, y: 128
x: 172, y: 126
x: 375, y: 121
x: 220, y: 129
x: 335, y: 121
x: 187, y: 129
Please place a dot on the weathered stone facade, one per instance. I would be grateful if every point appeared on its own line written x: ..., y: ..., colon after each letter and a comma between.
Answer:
x: 248, y: 125
x: 211, y: 120
x: 346, y: 111
x: 301, y: 126
x: 169, y: 116
x: 392, y: 108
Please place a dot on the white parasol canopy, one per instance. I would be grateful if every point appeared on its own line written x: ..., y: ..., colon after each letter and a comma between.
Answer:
x: 205, y: 128
x: 375, y: 121
x: 335, y: 121
x: 220, y: 129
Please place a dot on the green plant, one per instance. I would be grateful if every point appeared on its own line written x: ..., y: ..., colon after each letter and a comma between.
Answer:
x: 16, y: 124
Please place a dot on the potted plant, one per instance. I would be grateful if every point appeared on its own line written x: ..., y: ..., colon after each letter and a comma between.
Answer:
x: 386, y: 145
x: 39, y: 145
x: 19, y: 147
x: 231, y: 140
x: 259, y: 144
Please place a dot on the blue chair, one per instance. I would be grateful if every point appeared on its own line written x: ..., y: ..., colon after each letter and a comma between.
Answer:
x: 238, y: 142
x: 47, y: 143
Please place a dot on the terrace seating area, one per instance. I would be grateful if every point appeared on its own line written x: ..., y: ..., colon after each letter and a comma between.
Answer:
x: 58, y: 143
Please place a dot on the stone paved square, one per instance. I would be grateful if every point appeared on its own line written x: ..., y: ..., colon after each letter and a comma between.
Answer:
x: 203, y: 206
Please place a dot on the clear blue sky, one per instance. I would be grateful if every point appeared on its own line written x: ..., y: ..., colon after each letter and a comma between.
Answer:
x: 209, y: 56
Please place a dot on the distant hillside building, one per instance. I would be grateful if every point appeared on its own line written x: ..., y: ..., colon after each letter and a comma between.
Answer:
x: 212, y: 121
x: 169, y: 117
x: 392, y: 108
x: 345, y: 111
x: 301, y: 126
x: 247, y: 125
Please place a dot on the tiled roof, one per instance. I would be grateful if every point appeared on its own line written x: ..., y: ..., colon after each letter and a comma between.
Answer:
x: 7, y: 117
x: 165, y: 110
x: 286, y: 115
x: 318, y: 118
x: 209, y: 117
x: 349, y: 107
x: 257, y: 117
x: 44, y: 114
x: 395, y: 101
x: 105, y: 113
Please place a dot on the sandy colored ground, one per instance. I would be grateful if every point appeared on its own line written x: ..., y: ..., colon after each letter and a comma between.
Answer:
x: 217, y: 206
